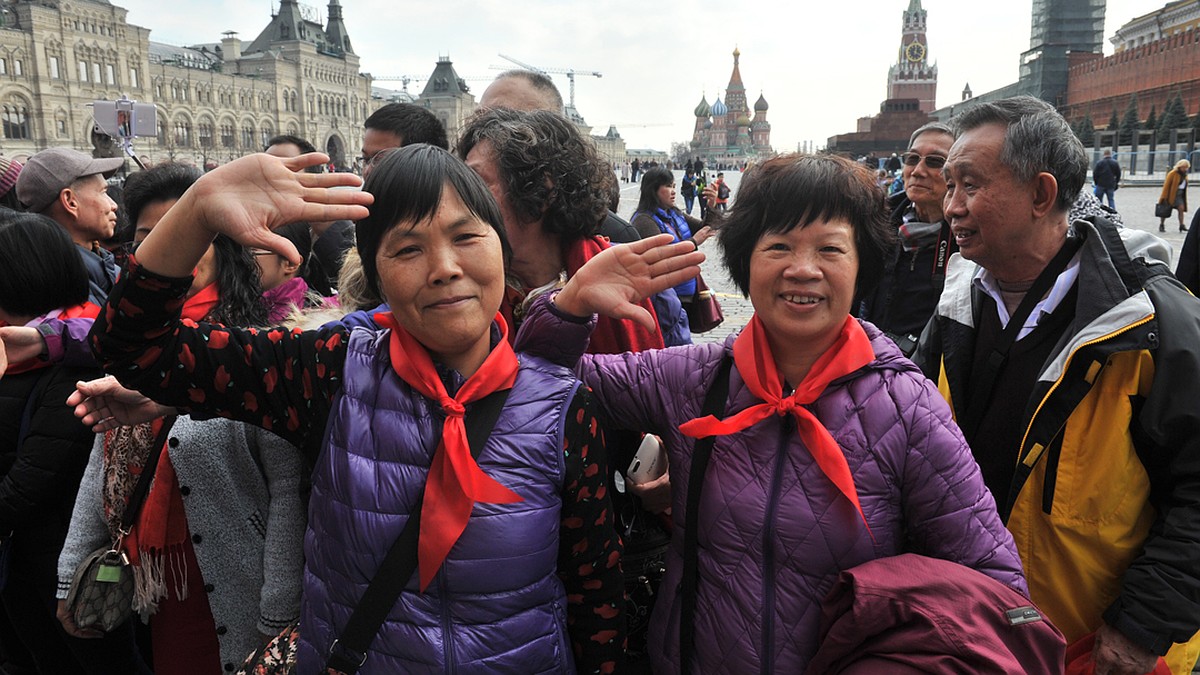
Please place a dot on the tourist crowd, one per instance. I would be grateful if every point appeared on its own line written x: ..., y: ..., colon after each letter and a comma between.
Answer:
x: 449, y: 416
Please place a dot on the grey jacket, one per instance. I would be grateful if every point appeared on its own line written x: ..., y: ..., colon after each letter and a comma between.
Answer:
x: 242, y: 497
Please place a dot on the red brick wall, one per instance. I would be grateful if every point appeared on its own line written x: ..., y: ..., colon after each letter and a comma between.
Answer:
x: 1154, y: 72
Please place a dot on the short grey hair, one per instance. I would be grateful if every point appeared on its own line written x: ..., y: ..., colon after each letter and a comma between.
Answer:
x: 539, y: 81
x: 1036, y: 139
x: 936, y: 127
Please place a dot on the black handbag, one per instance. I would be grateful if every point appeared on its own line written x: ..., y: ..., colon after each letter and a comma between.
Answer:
x: 101, y: 595
x: 1162, y: 210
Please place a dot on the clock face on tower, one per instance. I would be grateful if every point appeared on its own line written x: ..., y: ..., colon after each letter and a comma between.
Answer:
x: 914, y: 52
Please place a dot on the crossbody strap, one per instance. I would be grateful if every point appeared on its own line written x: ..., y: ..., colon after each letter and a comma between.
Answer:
x: 349, y: 652
x: 138, y: 498
x: 714, y: 404
x: 985, y: 379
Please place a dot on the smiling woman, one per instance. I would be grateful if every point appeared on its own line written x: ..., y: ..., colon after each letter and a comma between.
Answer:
x: 830, y: 448
x: 393, y: 407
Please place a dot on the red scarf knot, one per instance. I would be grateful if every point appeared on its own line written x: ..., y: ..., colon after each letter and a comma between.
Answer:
x: 455, y: 480
x: 453, y: 408
x: 756, y: 364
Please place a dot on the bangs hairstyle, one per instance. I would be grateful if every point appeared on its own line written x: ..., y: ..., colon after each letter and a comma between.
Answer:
x: 797, y: 190
x: 408, y: 186
x: 652, y: 180
x: 40, y: 269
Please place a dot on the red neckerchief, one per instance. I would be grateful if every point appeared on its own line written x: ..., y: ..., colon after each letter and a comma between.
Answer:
x: 612, y: 336
x: 197, y: 307
x: 86, y: 311
x: 752, y: 356
x: 455, y: 481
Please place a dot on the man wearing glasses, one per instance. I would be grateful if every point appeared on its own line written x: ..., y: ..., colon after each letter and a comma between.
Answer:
x: 916, y: 270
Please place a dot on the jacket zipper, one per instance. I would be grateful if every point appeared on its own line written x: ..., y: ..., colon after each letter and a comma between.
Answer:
x: 1066, y: 367
x: 768, y: 634
x: 447, y: 626
x: 1022, y: 455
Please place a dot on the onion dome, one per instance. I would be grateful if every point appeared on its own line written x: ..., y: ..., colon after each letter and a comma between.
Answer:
x: 707, y: 124
x: 703, y: 110
x: 719, y: 108
x: 743, y: 120
x: 761, y: 104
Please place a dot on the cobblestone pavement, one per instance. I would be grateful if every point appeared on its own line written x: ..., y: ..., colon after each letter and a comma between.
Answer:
x: 1135, y: 204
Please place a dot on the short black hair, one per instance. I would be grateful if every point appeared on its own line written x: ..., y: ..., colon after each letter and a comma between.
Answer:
x: 408, y: 186
x: 168, y: 180
x: 550, y: 170
x: 40, y: 267
x: 411, y: 123
x: 797, y: 190
x: 284, y: 139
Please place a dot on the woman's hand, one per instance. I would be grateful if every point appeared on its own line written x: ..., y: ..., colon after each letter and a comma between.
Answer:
x: 104, y: 404
x: 245, y: 199
x: 710, y: 195
x: 614, y: 282
x: 702, y: 235
x: 68, y: 623
x: 655, y: 494
x: 18, y: 344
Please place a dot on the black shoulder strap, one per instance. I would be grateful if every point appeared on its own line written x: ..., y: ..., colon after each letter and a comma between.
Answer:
x: 714, y: 404
x: 985, y: 379
x: 349, y: 652
x: 134, y: 507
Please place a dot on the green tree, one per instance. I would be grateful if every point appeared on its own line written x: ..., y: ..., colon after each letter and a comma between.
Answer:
x: 1087, y: 131
x: 1152, y: 120
x: 1130, y: 122
x: 1174, y: 117
x: 1114, y: 122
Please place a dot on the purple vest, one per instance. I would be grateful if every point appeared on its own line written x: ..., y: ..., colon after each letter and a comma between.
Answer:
x: 496, y: 605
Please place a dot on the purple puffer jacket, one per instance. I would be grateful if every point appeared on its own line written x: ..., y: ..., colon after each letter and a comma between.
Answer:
x: 496, y: 604
x: 774, y: 531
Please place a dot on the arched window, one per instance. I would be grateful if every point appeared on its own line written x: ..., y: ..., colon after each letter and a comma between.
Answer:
x: 206, y: 134
x: 16, y: 121
x: 227, y: 135
x: 183, y: 133
x: 247, y: 136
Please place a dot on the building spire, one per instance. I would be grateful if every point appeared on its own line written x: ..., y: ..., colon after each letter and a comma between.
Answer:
x: 915, y: 6
x: 335, y: 30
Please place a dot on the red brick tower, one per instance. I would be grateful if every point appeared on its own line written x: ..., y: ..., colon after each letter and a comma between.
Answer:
x: 913, y: 77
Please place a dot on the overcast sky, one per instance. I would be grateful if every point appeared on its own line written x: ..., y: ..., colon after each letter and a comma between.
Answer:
x: 821, y: 65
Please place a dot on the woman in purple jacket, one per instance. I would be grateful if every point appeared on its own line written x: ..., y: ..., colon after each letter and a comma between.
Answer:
x: 518, y: 559
x: 831, y: 449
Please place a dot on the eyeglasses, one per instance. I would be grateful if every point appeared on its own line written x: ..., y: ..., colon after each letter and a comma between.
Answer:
x: 934, y: 162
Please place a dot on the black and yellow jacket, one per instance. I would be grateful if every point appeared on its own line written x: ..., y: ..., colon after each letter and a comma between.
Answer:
x: 1105, y: 501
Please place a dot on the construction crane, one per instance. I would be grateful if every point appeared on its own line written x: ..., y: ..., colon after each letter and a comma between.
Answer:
x: 569, y: 72
x: 404, y: 80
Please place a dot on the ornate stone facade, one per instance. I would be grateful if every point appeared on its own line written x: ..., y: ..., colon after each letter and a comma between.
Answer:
x: 215, y: 101
x: 913, y: 76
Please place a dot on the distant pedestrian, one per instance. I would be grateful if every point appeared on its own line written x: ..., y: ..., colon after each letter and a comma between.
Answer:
x: 625, y: 171
x: 893, y: 164
x: 1107, y: 177
x: 634, y: 168
x: 1174, y: 192
x: 722, y: 192
x: 688, y: 188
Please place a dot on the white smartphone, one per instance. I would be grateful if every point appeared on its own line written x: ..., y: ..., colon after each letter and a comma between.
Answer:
x: 649, y: 462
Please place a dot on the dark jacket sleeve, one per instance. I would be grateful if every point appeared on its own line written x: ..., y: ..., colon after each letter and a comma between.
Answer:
x: 50, y: 462
x: 645, y: 225
x: 280, y: 380
x: 1159, y: 603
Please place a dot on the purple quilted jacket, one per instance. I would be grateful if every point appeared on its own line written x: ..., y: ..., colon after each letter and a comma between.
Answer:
x: 496, y: 604
x: 774, y: 531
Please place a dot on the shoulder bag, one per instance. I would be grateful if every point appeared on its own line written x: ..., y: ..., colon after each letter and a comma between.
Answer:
x: 101, y: 596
